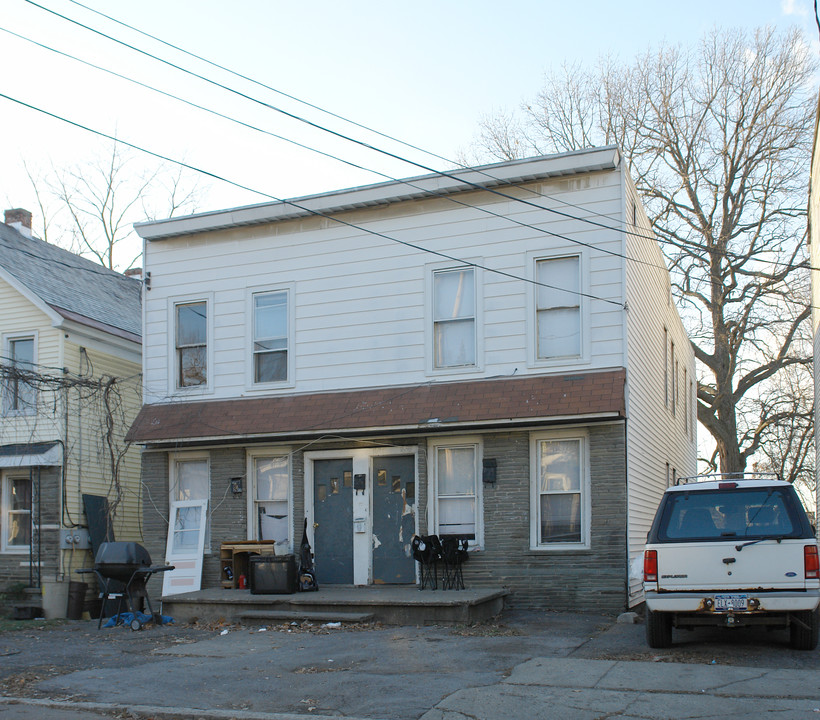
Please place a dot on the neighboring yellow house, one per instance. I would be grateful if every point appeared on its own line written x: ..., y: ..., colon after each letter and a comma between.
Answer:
x: 71, y: 357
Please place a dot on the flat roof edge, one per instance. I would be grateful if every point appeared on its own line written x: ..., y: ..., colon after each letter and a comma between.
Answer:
x: 514, y: 171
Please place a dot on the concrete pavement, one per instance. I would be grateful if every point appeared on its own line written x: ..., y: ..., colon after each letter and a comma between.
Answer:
x: 552, y: 666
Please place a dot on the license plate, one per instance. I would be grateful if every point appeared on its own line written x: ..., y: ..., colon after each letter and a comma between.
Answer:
x: 731, y: 602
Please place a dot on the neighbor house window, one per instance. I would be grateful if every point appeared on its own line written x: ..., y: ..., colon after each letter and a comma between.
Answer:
x: 19, y: 390
x: 16, y: 520
x: 270, y: 337
x: 191, y: 480
x: 454, y: 318
x: 558, y: 307
x: 192, y: 344
x: 457, y: 503
x: 560, y: 491
x: 271, y: 515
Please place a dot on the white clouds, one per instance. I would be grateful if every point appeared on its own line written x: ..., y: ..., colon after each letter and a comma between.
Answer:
x: 795, y: 7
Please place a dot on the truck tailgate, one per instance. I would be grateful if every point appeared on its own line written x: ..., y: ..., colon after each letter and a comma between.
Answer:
x: 763, y: 565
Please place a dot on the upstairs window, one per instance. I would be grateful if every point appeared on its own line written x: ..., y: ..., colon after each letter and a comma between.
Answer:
x: 454, y: 319
x: 191, y: 344
x: 558, y: 307
x: 19, y: 390
x: 270, y: 337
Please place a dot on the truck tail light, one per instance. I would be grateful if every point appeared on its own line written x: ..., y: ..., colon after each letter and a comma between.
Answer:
x: 811, y: 562
x: 650, y: 565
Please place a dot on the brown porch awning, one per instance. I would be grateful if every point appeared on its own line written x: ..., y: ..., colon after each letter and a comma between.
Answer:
x: 492, y: 403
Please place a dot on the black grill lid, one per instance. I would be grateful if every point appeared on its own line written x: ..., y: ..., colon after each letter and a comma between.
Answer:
x: 122, y: 554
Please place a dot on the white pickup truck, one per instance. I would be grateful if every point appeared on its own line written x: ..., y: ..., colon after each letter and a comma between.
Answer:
x: 732, y: 551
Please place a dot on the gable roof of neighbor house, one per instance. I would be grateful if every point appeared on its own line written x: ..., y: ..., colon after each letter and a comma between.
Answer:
x: 78, y: 289
x: 430, y: 407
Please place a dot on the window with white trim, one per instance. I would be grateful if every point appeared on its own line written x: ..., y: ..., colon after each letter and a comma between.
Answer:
x: 454, y: 318
x: 558, y: 307
x: 191, y: 343
x: 16, y: 517
x: 19, y: 395
x: 270, y: 337
x: 457, y: 501
x: 270, y: 514
x: 191, y: 480
x: 560, y: 490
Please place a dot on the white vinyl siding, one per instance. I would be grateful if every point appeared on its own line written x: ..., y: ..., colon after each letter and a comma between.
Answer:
x: 362, y: 305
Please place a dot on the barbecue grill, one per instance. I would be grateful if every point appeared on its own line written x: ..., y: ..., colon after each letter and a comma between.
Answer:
x: 123, y: 570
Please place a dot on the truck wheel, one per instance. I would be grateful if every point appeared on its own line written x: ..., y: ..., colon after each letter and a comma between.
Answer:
x: 658, y: 629
x: 803, y: 629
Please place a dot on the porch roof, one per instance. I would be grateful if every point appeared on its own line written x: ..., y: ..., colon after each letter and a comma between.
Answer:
x: 431, y: 407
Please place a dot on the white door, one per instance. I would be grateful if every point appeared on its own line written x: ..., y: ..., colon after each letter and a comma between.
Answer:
x: 186, y: 544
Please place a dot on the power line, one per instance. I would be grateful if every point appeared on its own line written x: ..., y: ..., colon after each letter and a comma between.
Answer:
x: 342, y: 136
x: 305, y: 209
x: 409, y: 183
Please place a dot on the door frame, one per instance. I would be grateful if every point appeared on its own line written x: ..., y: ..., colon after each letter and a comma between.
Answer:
x: 362, y: 460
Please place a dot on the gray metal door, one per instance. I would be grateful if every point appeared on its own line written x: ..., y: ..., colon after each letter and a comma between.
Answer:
x: 333, y: 521
x: 394, y: 519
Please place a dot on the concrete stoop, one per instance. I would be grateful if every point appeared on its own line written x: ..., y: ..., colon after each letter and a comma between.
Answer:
x: 403, y: 605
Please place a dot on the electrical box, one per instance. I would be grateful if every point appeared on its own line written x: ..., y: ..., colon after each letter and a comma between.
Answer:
x: 75, y: 538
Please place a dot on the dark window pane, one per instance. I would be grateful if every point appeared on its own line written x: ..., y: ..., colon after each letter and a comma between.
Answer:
x: 271, y: 366
x: 192, y: 366
x: 192, y: 324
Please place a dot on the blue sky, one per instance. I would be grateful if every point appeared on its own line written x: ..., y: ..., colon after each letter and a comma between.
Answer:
x: 423, y: 71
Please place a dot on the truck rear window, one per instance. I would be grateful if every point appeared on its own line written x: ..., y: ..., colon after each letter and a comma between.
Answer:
x: 720, y: 515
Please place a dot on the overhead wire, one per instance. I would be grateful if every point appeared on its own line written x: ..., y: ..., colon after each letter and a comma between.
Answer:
x: 477, y: 186
x: 633, y: 230
x: 303, y: 208
x: 408, y: 182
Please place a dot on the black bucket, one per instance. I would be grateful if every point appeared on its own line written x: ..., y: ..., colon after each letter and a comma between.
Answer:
x: 76, y: 600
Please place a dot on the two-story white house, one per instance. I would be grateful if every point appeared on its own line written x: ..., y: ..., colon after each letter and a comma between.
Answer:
x: 71, y: 337
x: 492, y: 353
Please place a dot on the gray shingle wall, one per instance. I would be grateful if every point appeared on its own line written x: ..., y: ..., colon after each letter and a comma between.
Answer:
x: 588, y: 580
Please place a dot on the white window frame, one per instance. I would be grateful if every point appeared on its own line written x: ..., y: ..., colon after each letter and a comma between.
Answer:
x: 535, y: 490
x: 173, y: 360
x: 431, y: 270
x: 5, y: 504
x: 250, y: 319
x: 533, y: 258
x: 7, y: 341
x: 250, y: 474
x: 180, y: 457
x: 434, y: 446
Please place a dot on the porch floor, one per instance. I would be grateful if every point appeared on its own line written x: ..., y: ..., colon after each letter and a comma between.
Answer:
x: 389, y: 604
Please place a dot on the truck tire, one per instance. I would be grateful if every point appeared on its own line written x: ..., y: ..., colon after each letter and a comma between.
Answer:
x: 658, y: 629
x: 803, y: 629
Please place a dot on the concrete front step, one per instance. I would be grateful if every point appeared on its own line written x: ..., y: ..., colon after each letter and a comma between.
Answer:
x: 392, y: 605
x: 296, y: 614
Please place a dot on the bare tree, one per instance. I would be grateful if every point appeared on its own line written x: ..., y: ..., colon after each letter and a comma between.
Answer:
x: 98, y: 202
x: 718, y: 141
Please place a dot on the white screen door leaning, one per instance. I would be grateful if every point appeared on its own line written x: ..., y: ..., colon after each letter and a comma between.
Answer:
x: 186, y: 544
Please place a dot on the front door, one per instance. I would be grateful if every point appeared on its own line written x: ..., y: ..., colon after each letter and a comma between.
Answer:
x: 333, y: 521
x: 394, y: 519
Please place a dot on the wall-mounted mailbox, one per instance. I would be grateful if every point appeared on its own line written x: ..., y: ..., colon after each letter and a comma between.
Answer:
x: 359, y: 525
x: 490, y: 466
x: 359, y: 480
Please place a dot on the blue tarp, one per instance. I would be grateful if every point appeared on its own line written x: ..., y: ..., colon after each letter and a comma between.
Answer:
x: 126, y: 618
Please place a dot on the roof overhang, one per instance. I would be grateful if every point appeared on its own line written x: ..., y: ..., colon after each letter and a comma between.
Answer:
x: 423, y: 186
x: 45, y: 454
x: 420, y: 409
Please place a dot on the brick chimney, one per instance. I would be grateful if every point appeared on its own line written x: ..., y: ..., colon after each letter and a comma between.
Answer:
x: 20, y: 220
x: 134, y: 273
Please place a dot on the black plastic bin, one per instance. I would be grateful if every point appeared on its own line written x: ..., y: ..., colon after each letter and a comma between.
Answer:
x: 273, y: 574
